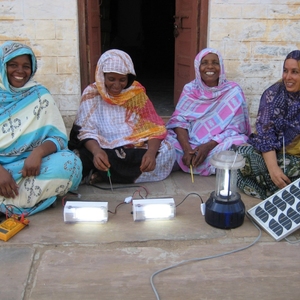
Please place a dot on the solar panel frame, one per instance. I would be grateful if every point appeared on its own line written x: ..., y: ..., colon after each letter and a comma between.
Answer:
x: 279, y: 214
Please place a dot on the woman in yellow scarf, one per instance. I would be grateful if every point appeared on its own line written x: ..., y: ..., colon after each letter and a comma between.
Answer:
x: 117, y: 127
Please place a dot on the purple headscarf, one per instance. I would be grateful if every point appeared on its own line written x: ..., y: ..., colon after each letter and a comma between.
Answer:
x: 294, y: 55
x: 278, y: 119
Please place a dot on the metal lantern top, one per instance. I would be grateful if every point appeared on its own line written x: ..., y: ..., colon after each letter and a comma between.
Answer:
x: 227, y: 160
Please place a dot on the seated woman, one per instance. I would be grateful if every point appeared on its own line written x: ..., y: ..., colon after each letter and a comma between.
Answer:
x: 211, y: 115
x: 273, y: 157
x: 35, y: 164
x: 117, y: 128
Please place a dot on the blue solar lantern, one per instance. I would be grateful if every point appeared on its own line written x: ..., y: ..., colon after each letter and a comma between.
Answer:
x: 225, y: 208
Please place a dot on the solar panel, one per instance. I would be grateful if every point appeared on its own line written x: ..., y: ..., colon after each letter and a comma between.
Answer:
x: 279, y: 214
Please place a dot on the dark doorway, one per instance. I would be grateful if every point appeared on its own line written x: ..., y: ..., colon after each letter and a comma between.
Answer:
x: 144, y: 29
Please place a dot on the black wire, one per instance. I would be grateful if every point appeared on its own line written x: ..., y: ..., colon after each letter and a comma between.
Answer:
x: 115, y: 212
x: 118, y: 187
x: 34, y: 207
x: 74, y: 193
x: 11, y: 205
x: 26, y: 212
x: 189, y: 195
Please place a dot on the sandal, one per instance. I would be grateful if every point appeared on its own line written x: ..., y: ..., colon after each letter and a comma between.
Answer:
x: 95, y: 178
x: 86, y: 179
x: 92, y: 178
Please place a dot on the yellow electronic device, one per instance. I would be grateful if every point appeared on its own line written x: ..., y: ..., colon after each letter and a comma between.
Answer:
x: 11, y: 226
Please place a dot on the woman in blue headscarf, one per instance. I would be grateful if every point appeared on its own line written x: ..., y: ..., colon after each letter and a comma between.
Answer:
x: 273, y: 159
x: 35, y: 164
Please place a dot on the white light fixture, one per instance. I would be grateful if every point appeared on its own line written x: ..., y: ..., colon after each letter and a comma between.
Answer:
x: 85, y: 211
x: 225, y: 208
x: 153, y: 209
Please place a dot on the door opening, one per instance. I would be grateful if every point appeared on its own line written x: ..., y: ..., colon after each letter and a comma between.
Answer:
x: 144, y: 29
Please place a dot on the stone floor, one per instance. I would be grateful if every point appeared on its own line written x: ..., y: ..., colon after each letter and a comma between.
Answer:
x: 50, y: 259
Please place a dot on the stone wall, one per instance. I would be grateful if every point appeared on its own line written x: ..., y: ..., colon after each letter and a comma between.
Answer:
x: 254, y: 37
x: 50, y: 27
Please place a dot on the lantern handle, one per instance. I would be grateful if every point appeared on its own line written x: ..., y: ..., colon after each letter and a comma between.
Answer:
x: 234, y: 148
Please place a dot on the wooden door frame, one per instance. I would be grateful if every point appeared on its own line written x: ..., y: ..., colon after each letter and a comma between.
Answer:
x: 202, y: 24
x: 200, y: 38
x: 82, y: 38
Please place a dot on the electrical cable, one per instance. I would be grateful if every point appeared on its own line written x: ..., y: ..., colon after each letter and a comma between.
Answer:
x: 8, y: 209
x: 187, y: 196
x: 292, y: 242
x: 116, y: 208
x: 139, y: 191
x: 203, y: 258
x: 18, y: 217
x: 121, y: 187
x: 64, y: 199
x: 141, y: 196
x: 283, y: 153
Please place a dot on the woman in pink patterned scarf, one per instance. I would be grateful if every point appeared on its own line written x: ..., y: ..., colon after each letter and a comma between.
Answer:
x: 211, y: 115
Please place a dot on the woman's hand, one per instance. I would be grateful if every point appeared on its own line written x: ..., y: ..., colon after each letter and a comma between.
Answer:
x: 187, y: 157
x: 8, y: 186
x: 100, y: 158
x: 200, y: 153
x: 32, y: 164
x: 148, y: 163
x: 278, y: 177
x: 276, y: 174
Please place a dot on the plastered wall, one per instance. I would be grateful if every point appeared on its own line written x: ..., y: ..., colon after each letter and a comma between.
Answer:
x: 254, y: 36
x: 50, y: 27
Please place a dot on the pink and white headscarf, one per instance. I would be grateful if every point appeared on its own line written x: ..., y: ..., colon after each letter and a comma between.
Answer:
x: 216, y: 113
x: 199, y: 90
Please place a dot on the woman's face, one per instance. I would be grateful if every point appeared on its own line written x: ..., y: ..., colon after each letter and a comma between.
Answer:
x: 115, y: 83
x: 210, y: 69
x: 19, y: 70
x: 291, y: 75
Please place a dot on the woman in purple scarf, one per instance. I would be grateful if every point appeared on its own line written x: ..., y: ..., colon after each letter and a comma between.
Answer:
x: 273, y: 159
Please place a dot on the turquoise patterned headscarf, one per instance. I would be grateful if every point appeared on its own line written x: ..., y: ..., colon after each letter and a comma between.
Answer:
x: 8, y: 51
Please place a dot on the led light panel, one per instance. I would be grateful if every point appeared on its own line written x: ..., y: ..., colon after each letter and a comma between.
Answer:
x: 279, y: 214
x: 85, y: 211
x: 153, y: 209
